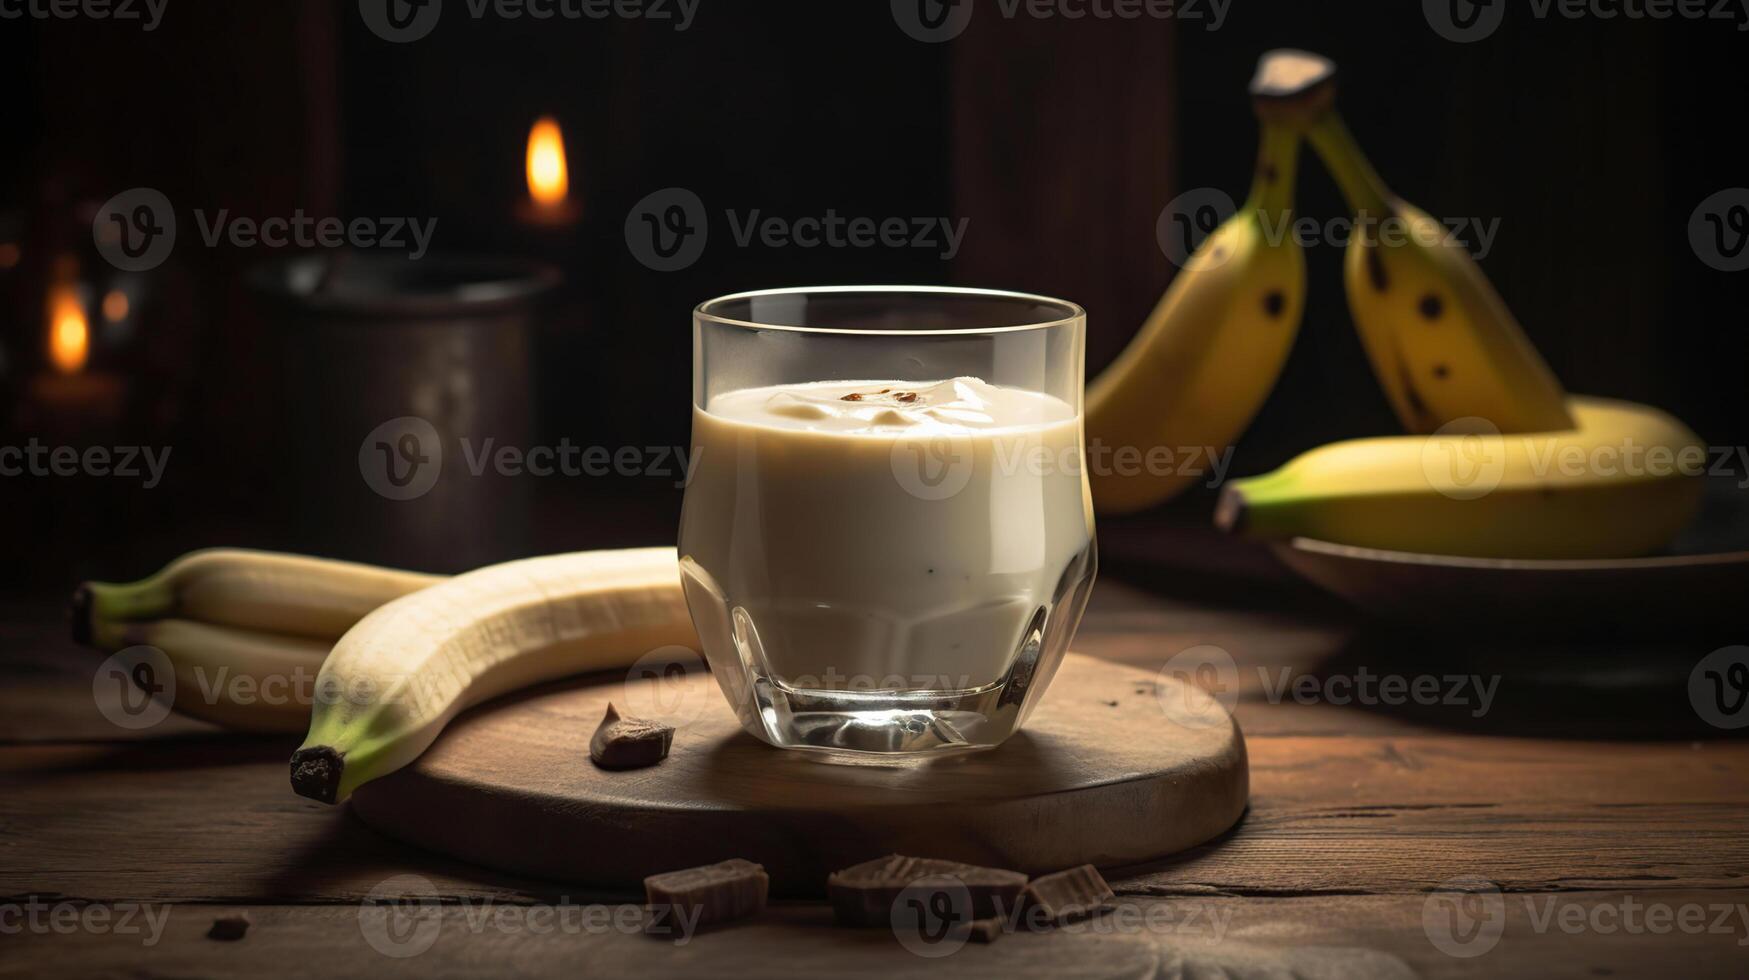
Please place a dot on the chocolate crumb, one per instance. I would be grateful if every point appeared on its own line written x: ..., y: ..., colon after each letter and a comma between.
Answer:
x: 732, y: 889
x: 906, y: 396
x: 629, y: 743
x: 852, y: 397
x: 229, y: 928
x: 1066, y: 896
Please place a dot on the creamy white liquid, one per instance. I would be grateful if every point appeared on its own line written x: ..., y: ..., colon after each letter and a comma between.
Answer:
x: 880, y: 535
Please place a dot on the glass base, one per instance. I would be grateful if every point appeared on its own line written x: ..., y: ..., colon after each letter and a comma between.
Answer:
x: 862, y: 726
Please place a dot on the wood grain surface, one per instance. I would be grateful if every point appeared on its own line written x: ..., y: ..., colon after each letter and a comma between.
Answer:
x: 1099, y: 775
x: 1358, y: 812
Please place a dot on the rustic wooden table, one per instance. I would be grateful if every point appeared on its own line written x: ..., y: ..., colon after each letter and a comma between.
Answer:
x: 1600, y: 827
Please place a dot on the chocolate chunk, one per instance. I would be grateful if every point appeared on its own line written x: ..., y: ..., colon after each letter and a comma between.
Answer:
x: 229, y: 928
x: 629, y: 743
x: 678, y: 900
x: 983, y: 930
x: 1066, y: 896
x: 863, y: 894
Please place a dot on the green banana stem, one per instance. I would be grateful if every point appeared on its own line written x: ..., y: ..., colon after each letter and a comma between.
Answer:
x: 107, y: 602
x: 1272, y: 188
x: 1361, y: 185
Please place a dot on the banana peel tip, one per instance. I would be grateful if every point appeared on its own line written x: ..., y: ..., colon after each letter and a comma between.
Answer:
x: 79, y: 614
x: 315, y: 773
x: 1230, y: 511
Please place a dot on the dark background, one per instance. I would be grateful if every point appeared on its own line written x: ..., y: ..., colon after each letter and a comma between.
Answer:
x: 1591, y: 140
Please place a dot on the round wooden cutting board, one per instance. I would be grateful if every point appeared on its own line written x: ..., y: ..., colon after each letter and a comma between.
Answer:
x: 1116, y: 766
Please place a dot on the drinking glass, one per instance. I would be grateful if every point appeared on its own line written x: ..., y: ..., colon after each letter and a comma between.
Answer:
x: 905, y: 581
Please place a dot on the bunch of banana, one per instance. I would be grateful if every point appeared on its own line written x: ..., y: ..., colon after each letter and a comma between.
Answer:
x: 1443, y: 344
x: 1514, y: 468
x: 1209, y: 353
x: 1613, y: 487
x: 409, y: 667
x: 244, y: 632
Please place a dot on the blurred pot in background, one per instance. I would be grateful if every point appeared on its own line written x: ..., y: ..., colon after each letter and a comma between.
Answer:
x: 406, y: 379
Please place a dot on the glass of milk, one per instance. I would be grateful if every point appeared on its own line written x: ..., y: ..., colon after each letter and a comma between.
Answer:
x: 887, y: 539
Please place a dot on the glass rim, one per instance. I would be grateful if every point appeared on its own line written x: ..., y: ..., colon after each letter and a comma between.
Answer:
x: 1072, y: 311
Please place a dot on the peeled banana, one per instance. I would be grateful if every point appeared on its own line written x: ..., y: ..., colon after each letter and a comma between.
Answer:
x: 1442, y: 343
x: 1205, y: 360
x: 412, y: 665
x: 1620, y: 484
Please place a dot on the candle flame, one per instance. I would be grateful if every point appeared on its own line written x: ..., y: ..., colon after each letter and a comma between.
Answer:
x: 548, y: 180
x: 69, y: 332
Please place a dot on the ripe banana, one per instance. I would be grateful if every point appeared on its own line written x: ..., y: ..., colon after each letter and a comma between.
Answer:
x: 1619, y: 485
x: 412, y: 665
x: 317, y: 598
x: 1443, y: 344
x: 242, y: 679
x: 1209, y: 353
